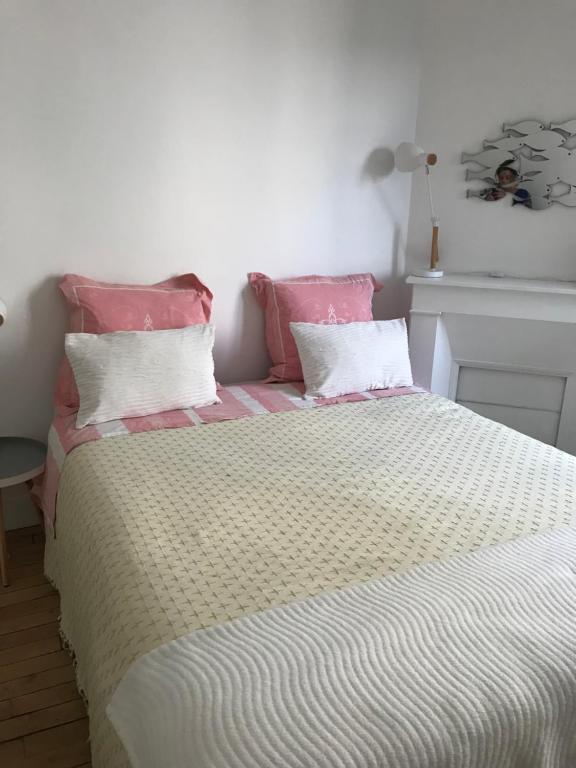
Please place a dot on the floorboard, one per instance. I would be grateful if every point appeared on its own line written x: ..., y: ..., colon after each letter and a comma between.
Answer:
x: 43, y: 720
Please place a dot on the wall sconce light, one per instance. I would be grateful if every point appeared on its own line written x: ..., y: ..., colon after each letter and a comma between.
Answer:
x: 409, y: 158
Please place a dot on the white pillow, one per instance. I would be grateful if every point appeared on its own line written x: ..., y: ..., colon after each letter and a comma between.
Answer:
x: 137, y: 373
x: 353, y: 357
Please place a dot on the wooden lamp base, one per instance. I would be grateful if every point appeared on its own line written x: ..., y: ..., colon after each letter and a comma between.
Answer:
x: 433, y: 271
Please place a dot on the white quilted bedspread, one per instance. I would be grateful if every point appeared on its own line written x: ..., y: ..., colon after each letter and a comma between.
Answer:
x: 467, y: 662
x: 164, y: 533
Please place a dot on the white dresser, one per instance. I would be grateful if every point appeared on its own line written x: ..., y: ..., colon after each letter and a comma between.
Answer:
x: 505, y: 348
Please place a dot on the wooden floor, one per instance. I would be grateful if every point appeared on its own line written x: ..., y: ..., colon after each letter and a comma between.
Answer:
x: 43, y: 721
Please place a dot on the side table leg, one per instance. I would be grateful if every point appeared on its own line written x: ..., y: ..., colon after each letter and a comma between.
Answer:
x: 3, y: 548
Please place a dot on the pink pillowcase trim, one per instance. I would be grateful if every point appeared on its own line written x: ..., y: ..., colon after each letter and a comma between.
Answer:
x: 97, y: 307
x: 308, y: 299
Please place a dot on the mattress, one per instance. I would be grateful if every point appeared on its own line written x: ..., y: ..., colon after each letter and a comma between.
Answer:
x: 164, y: 533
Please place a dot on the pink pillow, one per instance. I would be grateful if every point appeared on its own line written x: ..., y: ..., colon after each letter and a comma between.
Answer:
x: 106, y: 307
x: 309, y: 299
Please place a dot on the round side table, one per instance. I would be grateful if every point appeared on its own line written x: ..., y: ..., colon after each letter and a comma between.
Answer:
x: 21, y: 459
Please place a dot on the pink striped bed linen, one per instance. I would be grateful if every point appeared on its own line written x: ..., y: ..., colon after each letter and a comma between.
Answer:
x: 238, y: 401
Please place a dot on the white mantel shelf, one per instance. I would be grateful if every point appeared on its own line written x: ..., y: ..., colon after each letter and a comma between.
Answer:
x: 485, y: 282
x: 480, y: 295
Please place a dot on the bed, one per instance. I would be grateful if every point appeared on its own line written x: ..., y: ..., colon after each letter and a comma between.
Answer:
x: 168, y: 539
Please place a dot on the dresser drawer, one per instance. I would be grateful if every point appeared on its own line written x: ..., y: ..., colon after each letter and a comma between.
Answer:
x: 512, y: 388
x: 543, y: 425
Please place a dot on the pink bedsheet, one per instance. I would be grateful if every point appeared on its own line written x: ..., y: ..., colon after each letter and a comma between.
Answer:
x: 238, y: 401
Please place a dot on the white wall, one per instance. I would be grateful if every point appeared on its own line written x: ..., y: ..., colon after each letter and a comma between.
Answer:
x: 142, y: 138
x: 486, y: 63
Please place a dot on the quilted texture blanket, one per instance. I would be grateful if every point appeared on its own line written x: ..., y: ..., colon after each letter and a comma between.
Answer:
x: 467, y: 662
x: 239, y: 401
x: 163, y: 533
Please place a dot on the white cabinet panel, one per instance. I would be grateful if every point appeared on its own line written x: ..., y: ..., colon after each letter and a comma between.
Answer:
x: 507, y: 349
x: 543, y: 425
x: 517, y: 388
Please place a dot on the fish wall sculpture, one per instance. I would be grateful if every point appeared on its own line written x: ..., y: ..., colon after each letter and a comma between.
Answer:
x: 488, y: 157
x: 525, y: 127
x: 568, y: 127
x: 568, y: 198
x: 533, y: 163
x: 509, y: 143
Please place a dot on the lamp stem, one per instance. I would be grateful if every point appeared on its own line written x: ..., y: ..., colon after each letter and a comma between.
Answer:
x: 434, y: 258
x: 430, y: 196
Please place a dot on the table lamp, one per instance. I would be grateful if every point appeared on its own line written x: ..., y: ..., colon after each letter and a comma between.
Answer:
x: 409, y: 158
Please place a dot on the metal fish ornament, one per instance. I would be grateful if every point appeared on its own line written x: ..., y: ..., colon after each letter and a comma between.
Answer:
x: 558, y: 165
x: 539, y: 192
x: 508, y: 143
x: 488, y: 157
x: 568, y: 199
x: 525, y: 127
x: 544, y: 140
x: 536, y: 185
x: 568, y: 127
x: 539, y: 203
x: 567, y: 174
x: 486, y: 174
